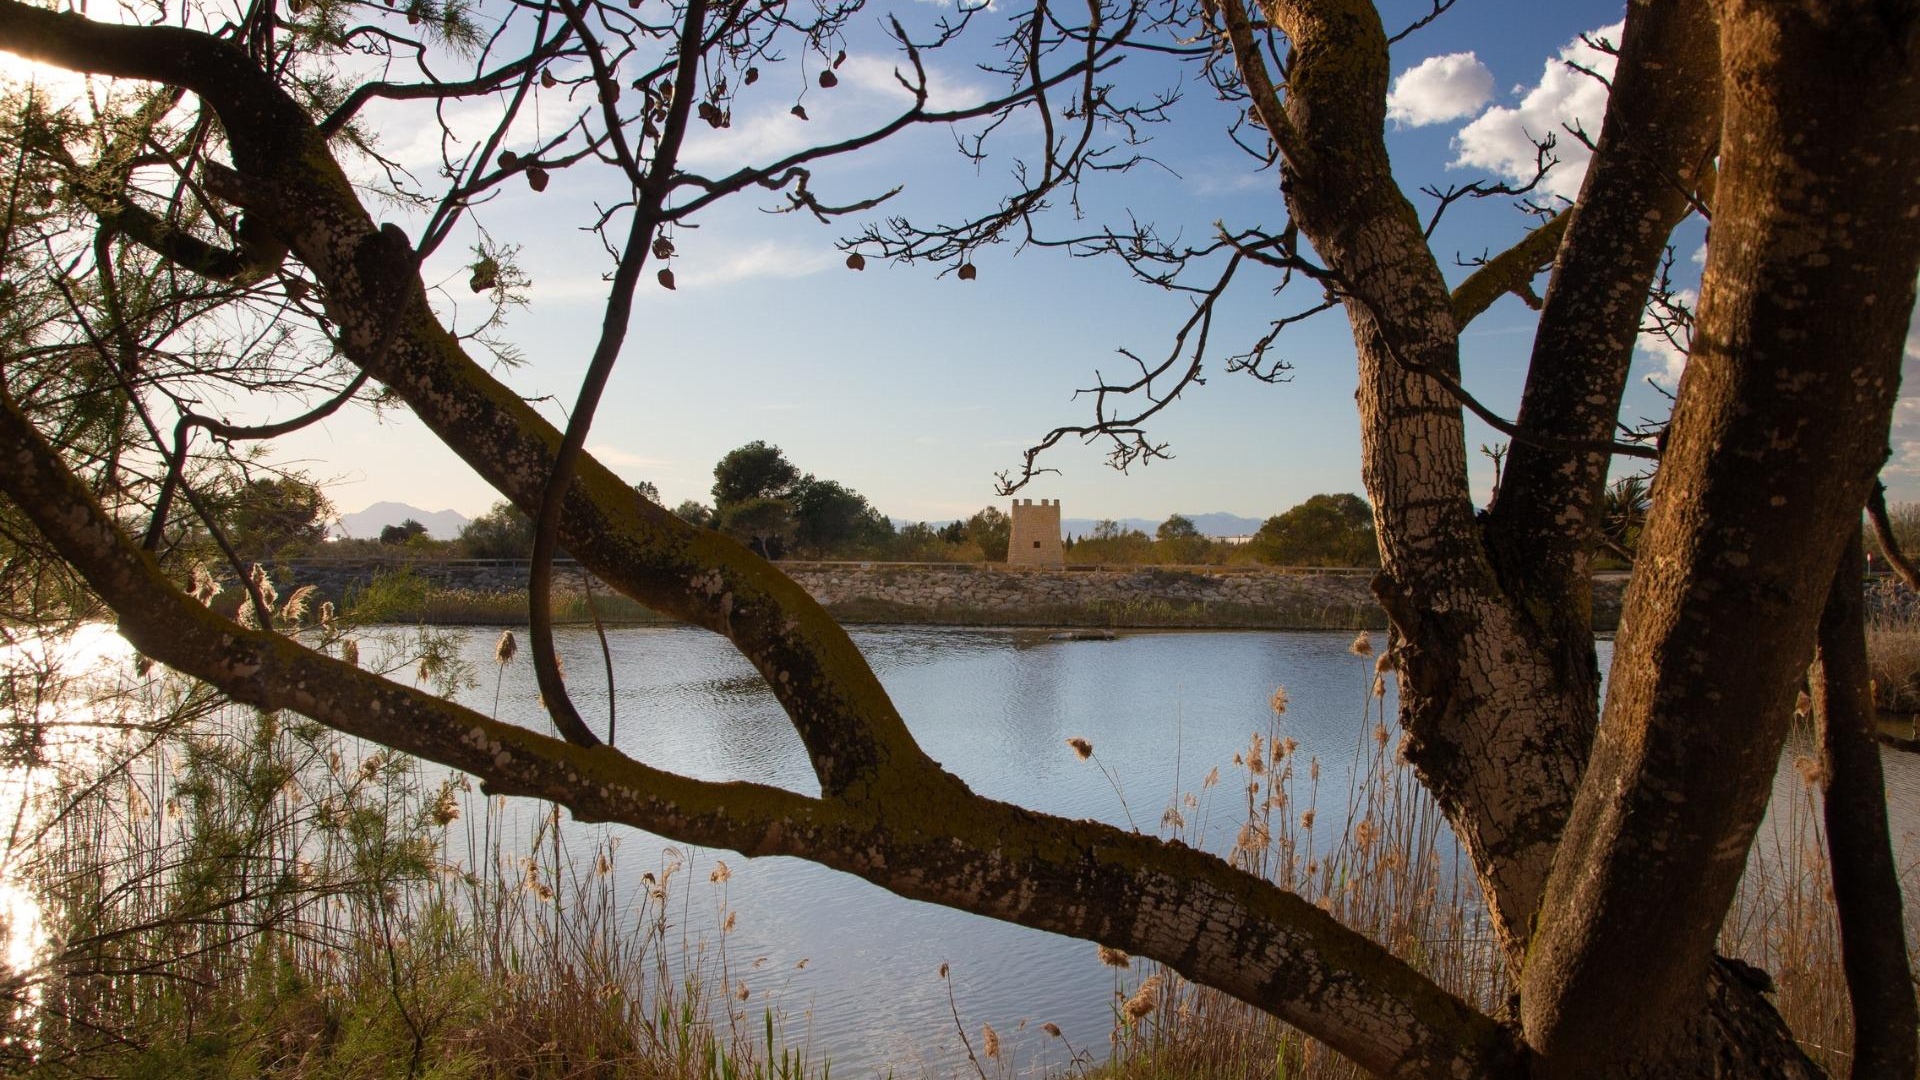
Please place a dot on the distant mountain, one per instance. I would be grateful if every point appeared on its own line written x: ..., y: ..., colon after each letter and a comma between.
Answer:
x: 1223, y: 524
x: 366, y: 525
x: 1214, y: 524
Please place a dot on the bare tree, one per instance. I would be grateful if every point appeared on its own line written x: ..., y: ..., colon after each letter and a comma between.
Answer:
x: 1608, y: 846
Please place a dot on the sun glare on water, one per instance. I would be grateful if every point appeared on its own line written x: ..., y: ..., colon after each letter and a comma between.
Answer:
x: 61, y: 690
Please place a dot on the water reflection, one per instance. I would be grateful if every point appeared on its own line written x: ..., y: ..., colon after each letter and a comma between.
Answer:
x: 995, y: 707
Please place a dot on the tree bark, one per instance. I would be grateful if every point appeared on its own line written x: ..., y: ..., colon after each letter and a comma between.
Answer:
x: 1499, y: 688
x: 1779, y: 429
x: 927, y: 838
x: 1866, y: 884
x: 1661, y: 127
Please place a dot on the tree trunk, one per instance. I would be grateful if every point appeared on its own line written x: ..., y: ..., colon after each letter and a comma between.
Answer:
x: 1779, y: 429
x: 1866, y: 884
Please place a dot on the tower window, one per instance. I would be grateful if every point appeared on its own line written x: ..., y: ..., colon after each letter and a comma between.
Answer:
x: 1036, y: 543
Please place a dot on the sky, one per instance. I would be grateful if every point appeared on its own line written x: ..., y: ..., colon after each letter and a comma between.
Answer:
x: 916, y: 388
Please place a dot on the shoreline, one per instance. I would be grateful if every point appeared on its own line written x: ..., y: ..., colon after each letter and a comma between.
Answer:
x: 476, y: 593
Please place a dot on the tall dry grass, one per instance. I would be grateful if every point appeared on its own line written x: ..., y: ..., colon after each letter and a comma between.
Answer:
x: 226, y: 893
x: 1893, y: 647
x: 1377, y: 856
x: 233, y: 894
x: 1380, y: 857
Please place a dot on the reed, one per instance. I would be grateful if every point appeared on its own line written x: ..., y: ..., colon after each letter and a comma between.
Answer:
x: 1380, y: 857
x: 226, y: 893
x: 1893, y: 647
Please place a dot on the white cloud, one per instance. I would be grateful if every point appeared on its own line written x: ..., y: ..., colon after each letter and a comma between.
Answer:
x: 1903, y: 466
x: 1440, y: 88
x: 1671, y: 358
x: 876, y: 74
x: 1502, y: 139
x: 765, y: 259
x: 613, y: 455
x: 867, y: 97
x: 1913, y: 335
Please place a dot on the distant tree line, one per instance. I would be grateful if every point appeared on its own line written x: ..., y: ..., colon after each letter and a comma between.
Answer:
x: 763, y: 500
x: 1324, y: 531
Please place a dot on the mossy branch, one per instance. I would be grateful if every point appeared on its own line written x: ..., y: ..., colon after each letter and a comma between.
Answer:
x: 1511, y: 271
x: 936, y: 841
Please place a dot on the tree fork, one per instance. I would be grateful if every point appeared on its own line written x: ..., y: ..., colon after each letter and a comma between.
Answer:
x: 1772, y: 450
x: 1481, y: 699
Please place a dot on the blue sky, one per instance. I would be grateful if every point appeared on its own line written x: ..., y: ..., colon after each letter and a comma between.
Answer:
x: 914, y: 388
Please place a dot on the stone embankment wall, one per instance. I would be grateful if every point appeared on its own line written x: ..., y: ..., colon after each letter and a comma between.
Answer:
x: 995, y: 595
x: 1093, y: 596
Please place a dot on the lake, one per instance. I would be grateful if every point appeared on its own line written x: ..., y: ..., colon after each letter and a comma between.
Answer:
x: 996, y: 708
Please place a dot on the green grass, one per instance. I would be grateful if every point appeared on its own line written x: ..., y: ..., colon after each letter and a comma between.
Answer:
x: 402, y: 596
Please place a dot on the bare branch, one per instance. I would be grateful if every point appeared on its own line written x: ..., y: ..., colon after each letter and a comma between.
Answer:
x: 1129, y: 440
x: 1440, y: 7
x: 931, y: 840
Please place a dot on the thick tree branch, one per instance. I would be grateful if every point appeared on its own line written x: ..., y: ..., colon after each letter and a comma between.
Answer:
x: 1662, y: 123
x: 1866, y: 884
x: 1776, y: 445
x: 933, y: 840
x: 1494, y: 757
x: 1508, y: 272
x: 1889, y: 543
x: 252, y: 263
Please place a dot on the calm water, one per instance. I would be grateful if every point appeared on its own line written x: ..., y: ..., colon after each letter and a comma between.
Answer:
x: 996, y: 708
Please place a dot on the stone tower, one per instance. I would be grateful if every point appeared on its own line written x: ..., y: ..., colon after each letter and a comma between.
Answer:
x: 1036, y: 534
